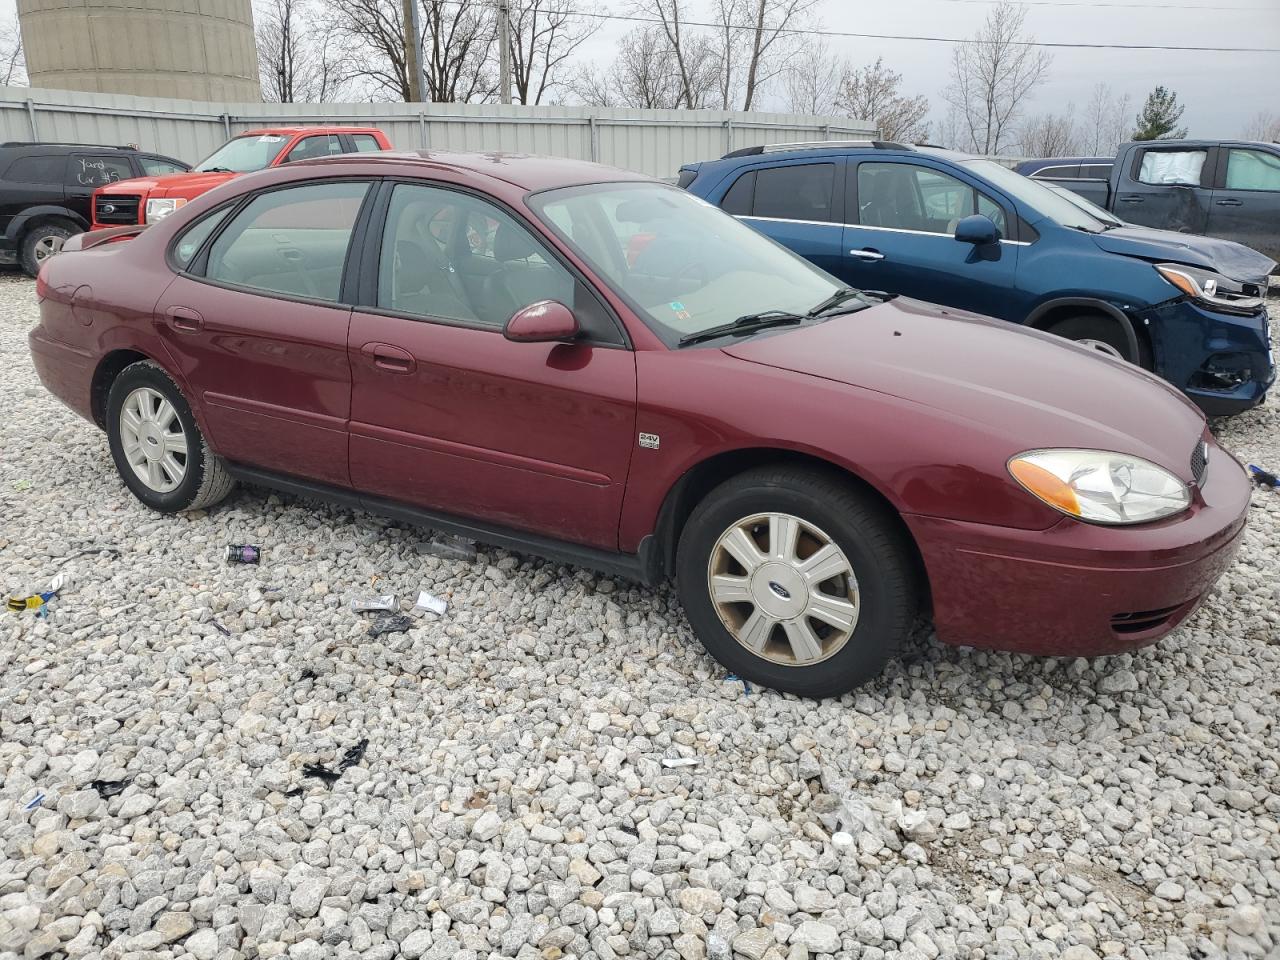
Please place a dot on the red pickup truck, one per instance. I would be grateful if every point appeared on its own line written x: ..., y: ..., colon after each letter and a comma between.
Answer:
x: 148, y: 199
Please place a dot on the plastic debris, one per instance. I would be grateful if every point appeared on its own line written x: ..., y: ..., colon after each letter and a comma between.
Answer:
x: 114, y: 551
x: 670, y: 762
x: 244, y: 553
x: 353, y: 755
x: 109, y: 788
x: 448, y: 547
x: 35, y: 802
x: 318, y: 770
x: 220, y: 628
x: 1264, y: 479
x: 427, y: 603
x: 23, y: 484
x: 373, y: 604
x: 392, y: 623
x: 734, y: 678
x: 37, y: 601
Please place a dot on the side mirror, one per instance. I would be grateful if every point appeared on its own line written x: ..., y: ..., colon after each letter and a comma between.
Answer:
x: 978, y: 230
x: 547, y: 321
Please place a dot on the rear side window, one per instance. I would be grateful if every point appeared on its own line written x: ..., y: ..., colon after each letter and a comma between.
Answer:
x: 309, y: 148
x: 35, y: 170
x: 97, y: 171
x: 292, y: 241
x: 1253, y: 170
x: 1059, y: 172
x: 1097, y: 171
x: 795, y: 192
x: 1172, y: 167
x: 365, y: 142
x: 189, y: 243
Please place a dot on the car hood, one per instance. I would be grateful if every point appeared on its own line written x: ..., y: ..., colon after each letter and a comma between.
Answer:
x: 170, y: 185
x: 1031, y: 388
x: 1228, y: 258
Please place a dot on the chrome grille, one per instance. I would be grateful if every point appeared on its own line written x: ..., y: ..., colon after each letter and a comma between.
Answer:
x: 1199, y: 461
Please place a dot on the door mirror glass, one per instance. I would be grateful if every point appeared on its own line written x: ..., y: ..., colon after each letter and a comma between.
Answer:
x: 544, y: 322
x: 978, y: 230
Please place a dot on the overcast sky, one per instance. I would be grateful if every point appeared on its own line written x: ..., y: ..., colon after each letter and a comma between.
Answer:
x: 1221, y: 91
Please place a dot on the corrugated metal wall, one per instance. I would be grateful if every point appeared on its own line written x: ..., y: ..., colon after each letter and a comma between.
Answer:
x: 654, y: 142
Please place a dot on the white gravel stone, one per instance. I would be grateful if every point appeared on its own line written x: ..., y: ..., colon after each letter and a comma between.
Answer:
x: 512, y: 801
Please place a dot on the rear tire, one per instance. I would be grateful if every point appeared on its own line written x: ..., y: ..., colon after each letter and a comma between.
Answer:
x: 157, y: 445
x: 41, y: 242
x: 826, y: 602
x: 1104, y: 335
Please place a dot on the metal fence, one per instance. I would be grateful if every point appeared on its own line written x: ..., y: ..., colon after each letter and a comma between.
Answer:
x: 653, y: 142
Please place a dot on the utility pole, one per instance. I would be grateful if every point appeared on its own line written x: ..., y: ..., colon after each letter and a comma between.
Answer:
x: 412, y: 50
x: 504, y: 42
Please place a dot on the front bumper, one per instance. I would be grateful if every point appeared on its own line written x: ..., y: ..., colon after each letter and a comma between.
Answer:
x: 1079, y: 589
x: 1223, y: 362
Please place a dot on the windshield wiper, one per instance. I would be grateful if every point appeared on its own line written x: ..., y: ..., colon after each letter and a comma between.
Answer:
x: 833, y: 301
x: 217, y: 170
x: 748, y: 324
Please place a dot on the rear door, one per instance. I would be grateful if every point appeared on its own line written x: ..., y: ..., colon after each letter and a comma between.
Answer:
x: 258, y: 327
x: 797, y: 203
x: 1246, y: 200
x: 1167, y: 188
x: 447, y: 414
x: 86, y: 172
x: 901, y: 238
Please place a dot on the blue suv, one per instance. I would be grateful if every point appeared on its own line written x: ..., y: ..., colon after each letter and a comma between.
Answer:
x: 969, y: 233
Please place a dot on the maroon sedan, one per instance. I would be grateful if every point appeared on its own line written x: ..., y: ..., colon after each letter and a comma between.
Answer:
x: 574, y: 361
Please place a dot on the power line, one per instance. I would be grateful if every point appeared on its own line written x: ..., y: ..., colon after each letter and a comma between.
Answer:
x: 1106, y: 3
x: 803, y: 31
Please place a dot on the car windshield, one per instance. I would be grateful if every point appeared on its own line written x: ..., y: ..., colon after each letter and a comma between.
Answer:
x: 244, y: 154
x: 1088, y: 206
x: 683, y: 264
x: 1037, y: 196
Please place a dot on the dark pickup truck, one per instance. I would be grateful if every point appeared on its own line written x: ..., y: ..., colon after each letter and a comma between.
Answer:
x: 1219, y: 188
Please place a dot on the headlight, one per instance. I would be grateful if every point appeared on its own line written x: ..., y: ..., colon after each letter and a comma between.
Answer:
x: 1101, y: 487
x: 160, y: 207
x: 1211, y: 289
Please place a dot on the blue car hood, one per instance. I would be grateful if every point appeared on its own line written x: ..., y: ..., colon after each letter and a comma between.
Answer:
x: 1227, y: 257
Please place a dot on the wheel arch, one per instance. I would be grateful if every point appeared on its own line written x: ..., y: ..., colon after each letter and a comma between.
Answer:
x: 35, y: 216
x: 1054, y: 311
x: 703, y: 477
x: 109, y: 367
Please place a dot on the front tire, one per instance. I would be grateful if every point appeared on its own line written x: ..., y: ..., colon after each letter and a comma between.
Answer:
x: 1103, y: 335
x: 797, y: 580
x: 42, y: 242
x: 157, y: 445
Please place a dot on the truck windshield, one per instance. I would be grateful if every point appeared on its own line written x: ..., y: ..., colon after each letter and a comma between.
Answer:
x: 1037, y: 196
x: 685, y: 266
x: 243, y: 154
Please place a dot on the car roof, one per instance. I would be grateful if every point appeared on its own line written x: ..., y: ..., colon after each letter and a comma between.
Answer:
x: 310, y: 128
x: 527, y: 171
x: 880, y: 148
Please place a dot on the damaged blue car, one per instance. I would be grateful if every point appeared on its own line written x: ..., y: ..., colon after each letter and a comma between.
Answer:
x: 969, y: 233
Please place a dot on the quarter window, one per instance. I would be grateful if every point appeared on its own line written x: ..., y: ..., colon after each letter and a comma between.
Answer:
x: 189, y: 243
x: 365, y: 142
x: 292, y: 241
x: 1253, y: 170
x: 1172, y: 167
x: 741, y: 195
x: 903, y: 196
x: 157, y: 167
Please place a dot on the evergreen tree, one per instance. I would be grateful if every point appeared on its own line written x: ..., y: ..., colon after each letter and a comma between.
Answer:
x: 1159, y: 117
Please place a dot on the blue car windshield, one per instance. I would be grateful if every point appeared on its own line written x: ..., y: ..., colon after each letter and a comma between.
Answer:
x: 1037, y: 196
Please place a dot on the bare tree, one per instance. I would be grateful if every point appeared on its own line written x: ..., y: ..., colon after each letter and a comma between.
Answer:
x: 298, y: 57
x: 693, y: 53
x: 814, y: 81
x: 13, y: 63
x: 544, y: 36
x: 373, y: 33
x: 991, y: 77
x: 642, y: 74
x: 1050, y: 135
x: 873, y: 92
x: 770, y: 26
x: 1106, y: 121
x: 1264, y: 126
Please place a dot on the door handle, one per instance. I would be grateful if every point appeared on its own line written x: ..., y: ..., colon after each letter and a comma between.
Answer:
x: 869, y: 255
x: 1130, y: 199
x: 1230, y: 202
x: 389, y: 358
x: 185, y: 320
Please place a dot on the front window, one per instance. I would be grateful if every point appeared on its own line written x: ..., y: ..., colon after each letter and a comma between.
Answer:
x: 684, y: 265
x: 243, y: 154
x: 1037, y: 196
x: 907, y: 196
x: 1253, y: 170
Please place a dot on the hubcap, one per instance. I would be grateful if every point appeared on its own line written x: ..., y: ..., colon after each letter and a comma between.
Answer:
x: 783, y: 589
x: 46, y: 247
x: 153, y: 440
x: 1102, y: 347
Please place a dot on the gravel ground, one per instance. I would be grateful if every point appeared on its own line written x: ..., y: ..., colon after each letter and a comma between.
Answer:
x: 512, y: 800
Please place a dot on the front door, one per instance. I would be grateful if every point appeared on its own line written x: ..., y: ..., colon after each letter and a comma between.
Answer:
x: 448, y: 415
x: 1246, y: 207
x: 902, y: 239
x: 1167, y: 188
x: 259, y: 327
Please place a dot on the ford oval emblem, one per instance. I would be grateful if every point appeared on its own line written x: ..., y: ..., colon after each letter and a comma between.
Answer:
x: 108, y: 208
x: 780, y: 590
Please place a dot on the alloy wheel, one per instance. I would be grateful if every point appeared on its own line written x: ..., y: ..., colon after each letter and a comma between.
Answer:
x: 153, y: 440
x: 1102, y: 347
x: 46, y: 247
x: 783, y: 589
